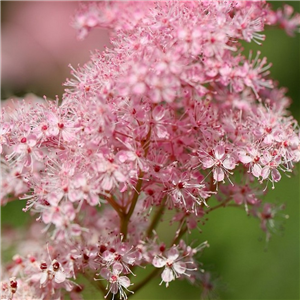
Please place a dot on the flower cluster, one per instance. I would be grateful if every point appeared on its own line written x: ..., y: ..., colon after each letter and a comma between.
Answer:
x: 169, y: 117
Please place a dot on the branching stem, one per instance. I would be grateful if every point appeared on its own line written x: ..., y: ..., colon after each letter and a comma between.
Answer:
x: 222, y: 204
x: 156, y: 218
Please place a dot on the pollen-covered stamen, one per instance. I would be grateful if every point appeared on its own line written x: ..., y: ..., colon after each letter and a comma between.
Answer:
x: 118, y: 257
x: 113, y: 279
x: 169, y: 264
x: 180, y: 185
x: 85, y: 257
x: 156, y: 168
x: 55, y: 265
x: 43, y: 266
x: 13, y: 285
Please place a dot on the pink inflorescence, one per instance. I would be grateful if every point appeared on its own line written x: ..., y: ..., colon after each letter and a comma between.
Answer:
x: 170, y: 116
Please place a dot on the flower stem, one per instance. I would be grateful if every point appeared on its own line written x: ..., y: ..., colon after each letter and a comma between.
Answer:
x: 222, y: 204
x: 146, y: 280
x: 156, y: 218
x: 179, y: 233
x: 114, y: 204
x: 97, y: 284
x: 126, y: 217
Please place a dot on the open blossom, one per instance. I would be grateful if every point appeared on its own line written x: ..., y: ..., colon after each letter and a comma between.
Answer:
x: 220, y: 162
x: 174, y: 265
x: 117, y: 283
x: 173, y: 268
x: 168, y: 117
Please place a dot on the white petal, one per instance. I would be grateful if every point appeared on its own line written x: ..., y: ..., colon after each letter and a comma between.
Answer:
x: 229, y: 163
x: 256, y: 170
x: 276, y: 175
x: 208, y: 162
x: 105, y: 273
x: 117, y: 268
x: 124, y: 281
x: 265, y: 172
x: 173, y: 254
x: 179, y: 267
x: 218, y: 174
x: 43, y: 278
x: 167, y: 275
x: 107, y: 183
x: 219, y: 151
x: 244, y: 158
x: 119, y: 176
x: 60, y: 277
x: 158, y: 262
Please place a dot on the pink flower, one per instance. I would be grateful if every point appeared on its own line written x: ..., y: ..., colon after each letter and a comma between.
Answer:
x: 219, y: 161
x: 117, y: 283
x: 173, y: 266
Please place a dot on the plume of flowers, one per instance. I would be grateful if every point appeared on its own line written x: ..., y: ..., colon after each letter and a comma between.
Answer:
x: 172, y: 116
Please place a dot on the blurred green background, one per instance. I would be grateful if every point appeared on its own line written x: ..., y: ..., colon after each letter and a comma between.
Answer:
x: 243, y: 267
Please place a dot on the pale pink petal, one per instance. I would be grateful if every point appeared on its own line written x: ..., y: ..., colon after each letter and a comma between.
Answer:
x: 124, y: 281
x: 54, y: 130
x: 122, y: 156
x: 105, y: 273
x: 54, y: 197
x: 31, y: 140
x: 68, y: 135
x: 167, y: 275
x: 219, y: 151
x: 139, y: 88
x: 229, y: 163
x: 238, y: 199
x: 208, y: 162
x: 256, y: 170
x: 169, y: 94
x: 93, y: 199
x: 158, y: 262
x: 276, y: 176
x: 158, y: 113
x: 76, y: 230
x: 43, y: 278
x: 57, y: 219
x: 173, y: 254
x: 218, y: 174
x: 265, y: 172
x: 60, y: 277
x: 47, y: 216
x: 155, y: 95
x: 39, y: 155
x: 244, y: 158
x: 74, y: 195
x: 119, y: 176
x: 27, y: 160
x: 179, y: 267
x: 117, y: 268
x: 115, y: 288
x: 107, y: 183
x: 36, y: 277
